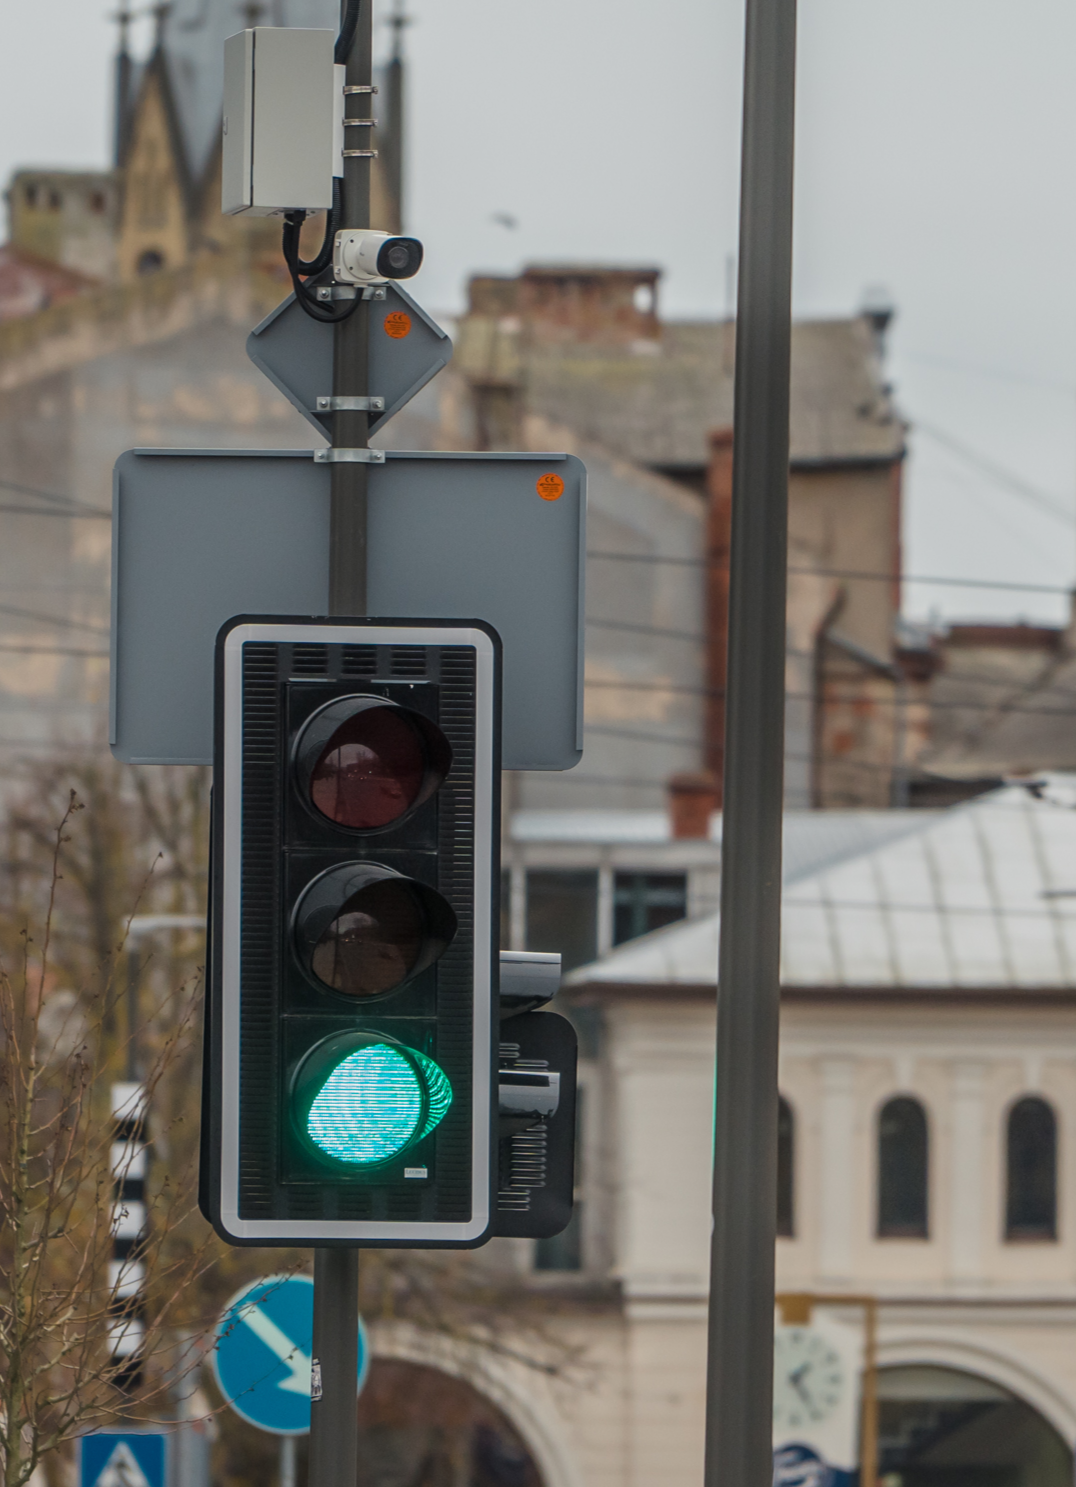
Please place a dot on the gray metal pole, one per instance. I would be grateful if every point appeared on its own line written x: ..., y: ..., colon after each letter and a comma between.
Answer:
x: 347, y: 519
x: 287, y: 1461
x: 739, y: 1398
x: 333, y: 1460
x: 334, y: 1436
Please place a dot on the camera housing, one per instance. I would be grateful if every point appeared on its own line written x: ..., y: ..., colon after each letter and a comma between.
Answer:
x: 363, y: 256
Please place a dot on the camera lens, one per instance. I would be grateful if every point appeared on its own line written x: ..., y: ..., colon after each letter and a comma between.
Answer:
x: 399, y: 258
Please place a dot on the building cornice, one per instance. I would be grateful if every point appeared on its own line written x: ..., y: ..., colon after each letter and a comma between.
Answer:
x: 600, y: 993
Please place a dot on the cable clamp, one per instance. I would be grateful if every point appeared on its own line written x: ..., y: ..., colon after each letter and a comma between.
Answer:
x: 360, y: 154
x: 349, y: 456
x: 360, y: 88
x: 350, y: 405
x: 359, y: 123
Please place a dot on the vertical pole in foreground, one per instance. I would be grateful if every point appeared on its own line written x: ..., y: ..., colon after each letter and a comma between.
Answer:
x: 347, y: 520
x: 333, y: 1424
x: 739, y: 1408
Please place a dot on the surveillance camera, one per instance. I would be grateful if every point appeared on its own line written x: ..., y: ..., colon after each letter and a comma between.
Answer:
x: 361, y: 256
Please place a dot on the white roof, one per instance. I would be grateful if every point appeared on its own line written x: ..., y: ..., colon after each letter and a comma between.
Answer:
x: 980, y: 895
x: 812, y: 839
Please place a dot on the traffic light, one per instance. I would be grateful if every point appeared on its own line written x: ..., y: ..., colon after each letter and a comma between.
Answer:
x: 536, y: 1100
x: 351, y: 1031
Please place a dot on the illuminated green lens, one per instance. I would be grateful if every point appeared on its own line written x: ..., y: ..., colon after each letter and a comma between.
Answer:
x: 375, y: 1103
x: 439, y: 1091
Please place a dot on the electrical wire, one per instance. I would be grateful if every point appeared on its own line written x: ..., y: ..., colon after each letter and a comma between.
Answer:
x: 301, y: 269
x: 346, y: 40
x: 52, y: 650
x: 845, y: 698
x: 963, y: 583
x: 33, y: 490
x: 54, y: 619
x: 70, y: 515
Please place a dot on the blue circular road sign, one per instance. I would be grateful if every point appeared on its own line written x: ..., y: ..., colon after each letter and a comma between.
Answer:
x: 262, y: 1359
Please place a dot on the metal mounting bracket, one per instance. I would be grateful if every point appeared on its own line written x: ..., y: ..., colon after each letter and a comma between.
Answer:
x: 349, y: 456
x: 326, y: 292
x: 349, y: 405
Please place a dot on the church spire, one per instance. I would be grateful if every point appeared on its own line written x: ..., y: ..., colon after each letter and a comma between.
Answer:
x: 160, y: 18
x: 121, y: 101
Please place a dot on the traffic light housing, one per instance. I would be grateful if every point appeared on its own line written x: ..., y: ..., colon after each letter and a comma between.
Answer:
x: 537, y: 1136
x: 351, y: 1026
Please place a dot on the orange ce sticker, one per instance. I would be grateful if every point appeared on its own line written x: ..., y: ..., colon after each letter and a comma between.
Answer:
x: 550, y: 487
x: 397, y: 324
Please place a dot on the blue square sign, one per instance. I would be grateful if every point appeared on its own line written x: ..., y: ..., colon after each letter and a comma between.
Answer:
x: 123, y: 1458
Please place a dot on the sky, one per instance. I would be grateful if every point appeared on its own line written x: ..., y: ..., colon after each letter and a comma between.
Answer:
x: 936, y: 162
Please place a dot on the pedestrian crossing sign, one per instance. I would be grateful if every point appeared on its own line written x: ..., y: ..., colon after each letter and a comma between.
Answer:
x: 123, y: 1458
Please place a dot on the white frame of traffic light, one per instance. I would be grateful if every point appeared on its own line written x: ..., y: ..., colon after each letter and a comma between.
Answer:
x: 477, y: 1230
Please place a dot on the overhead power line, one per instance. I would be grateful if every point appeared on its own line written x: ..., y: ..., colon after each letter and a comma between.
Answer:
x: 66, y: 501
x: 54, y: 619
x: 947, y: 582
x: 998, y: 474
x: 853, y: 698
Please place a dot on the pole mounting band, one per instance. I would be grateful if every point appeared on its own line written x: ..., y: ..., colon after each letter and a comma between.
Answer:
x: 350, y: 405
x: 326, y: 292
x: 349, y: 456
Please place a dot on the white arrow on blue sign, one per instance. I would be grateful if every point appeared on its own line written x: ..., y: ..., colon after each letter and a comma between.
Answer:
x: 123, y: 1458
x: 263, y: 1360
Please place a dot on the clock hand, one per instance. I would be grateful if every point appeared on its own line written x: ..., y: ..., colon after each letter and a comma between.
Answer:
x: 795, y: 1378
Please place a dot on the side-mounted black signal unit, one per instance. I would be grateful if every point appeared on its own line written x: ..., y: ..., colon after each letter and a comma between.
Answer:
x: 536, y: 1101
x: 350, y: 1095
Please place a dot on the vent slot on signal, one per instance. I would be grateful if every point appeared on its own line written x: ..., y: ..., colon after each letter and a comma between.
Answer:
x: 409, y: 660
x: 358, y: 660
x: 309, y: 660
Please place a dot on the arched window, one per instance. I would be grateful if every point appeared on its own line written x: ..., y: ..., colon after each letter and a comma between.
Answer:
x: 786, y: 1169
x: 1031, y: 1171
x: 902, y: 1170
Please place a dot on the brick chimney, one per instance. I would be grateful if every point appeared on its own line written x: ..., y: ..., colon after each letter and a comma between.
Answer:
x: 692, y: 801
x: 718, y: 540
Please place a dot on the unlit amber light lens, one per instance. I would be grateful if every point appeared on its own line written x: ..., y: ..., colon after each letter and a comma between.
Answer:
x: 373, y: 943
x: 370, y: 772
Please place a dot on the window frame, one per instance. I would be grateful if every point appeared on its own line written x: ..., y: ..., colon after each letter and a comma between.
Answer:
x: 887, y: 1228
x: 1030, y: 1233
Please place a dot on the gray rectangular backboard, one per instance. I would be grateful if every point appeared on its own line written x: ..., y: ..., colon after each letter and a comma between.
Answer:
x: 199, y: 536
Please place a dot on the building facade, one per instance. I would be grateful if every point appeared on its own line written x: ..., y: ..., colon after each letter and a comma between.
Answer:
x: 928, y: 1079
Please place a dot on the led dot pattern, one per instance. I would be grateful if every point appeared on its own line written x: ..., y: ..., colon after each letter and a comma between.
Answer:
x: 371, y: 1106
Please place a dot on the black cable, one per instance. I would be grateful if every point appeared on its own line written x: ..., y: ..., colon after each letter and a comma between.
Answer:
x: 293, y: 223
x: 348, y: 27
x: 300, y: 268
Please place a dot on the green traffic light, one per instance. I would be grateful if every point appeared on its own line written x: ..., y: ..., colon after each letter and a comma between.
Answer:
x: 363, y: 1101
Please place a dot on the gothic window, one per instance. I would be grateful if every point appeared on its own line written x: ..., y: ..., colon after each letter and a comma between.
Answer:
x: 786, y: 1169
x: 902, y: 1169
x: 1031, y: 1171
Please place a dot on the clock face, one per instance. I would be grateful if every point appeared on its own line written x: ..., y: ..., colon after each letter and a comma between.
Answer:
x: 808, y: 1378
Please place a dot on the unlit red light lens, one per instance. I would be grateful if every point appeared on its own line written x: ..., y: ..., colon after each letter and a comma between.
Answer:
x: 371, y: 771
x: 373, y: 943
